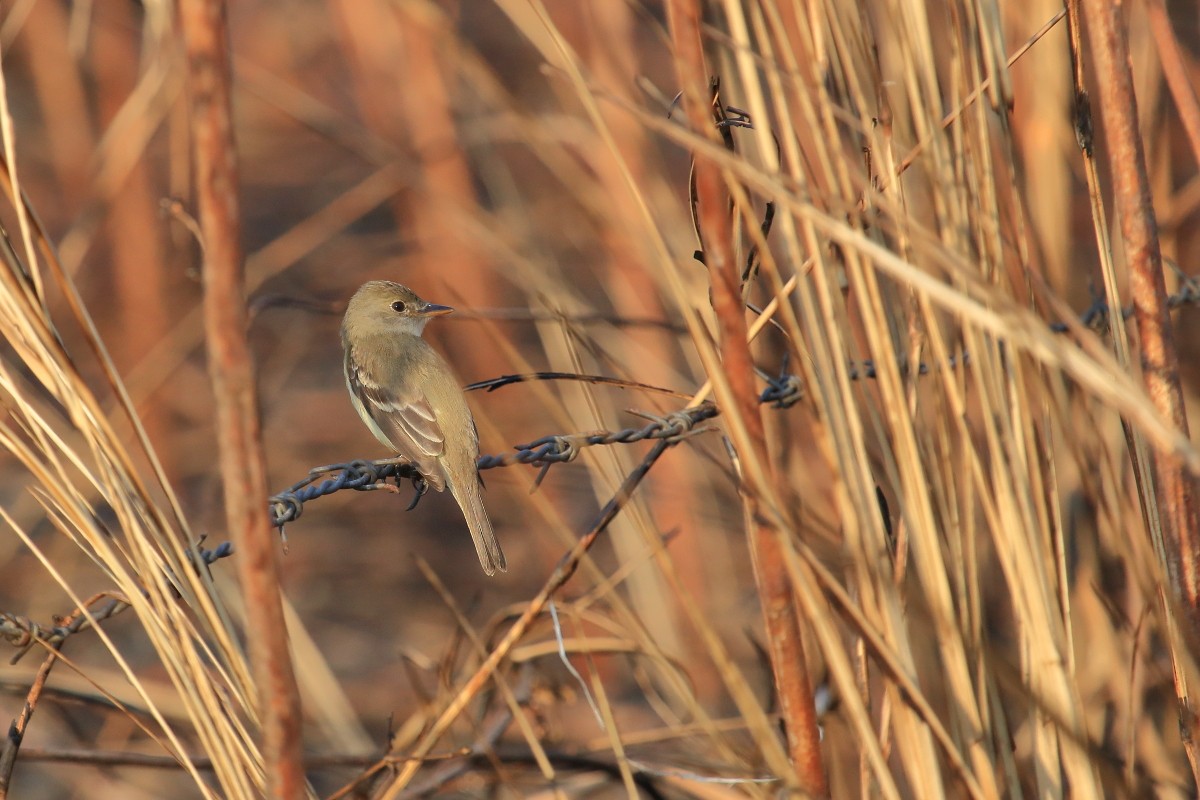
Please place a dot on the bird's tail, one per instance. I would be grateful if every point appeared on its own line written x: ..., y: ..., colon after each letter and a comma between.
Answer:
x: 486, y: 546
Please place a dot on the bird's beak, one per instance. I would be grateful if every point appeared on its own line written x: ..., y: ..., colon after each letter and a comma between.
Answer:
x: 434, y: 310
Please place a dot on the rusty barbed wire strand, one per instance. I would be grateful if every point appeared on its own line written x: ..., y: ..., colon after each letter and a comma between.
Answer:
x: 23, y: 633
x: 780, y: 392
x: 287, y: 505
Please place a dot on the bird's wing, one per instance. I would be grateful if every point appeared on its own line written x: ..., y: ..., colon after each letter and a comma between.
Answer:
x: 402, y: 418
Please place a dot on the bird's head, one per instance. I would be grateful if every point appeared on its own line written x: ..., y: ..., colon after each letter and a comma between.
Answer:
x: 389, y: 306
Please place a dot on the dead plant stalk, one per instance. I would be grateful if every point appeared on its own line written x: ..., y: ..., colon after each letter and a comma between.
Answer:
x: 1175, y: 489
x: 239, y: 433
x: 785, y: 644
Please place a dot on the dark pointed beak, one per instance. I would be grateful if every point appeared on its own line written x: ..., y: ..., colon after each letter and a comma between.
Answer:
x: 434, y: 310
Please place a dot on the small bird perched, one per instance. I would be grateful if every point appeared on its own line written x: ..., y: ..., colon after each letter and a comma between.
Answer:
x: 408, y: 396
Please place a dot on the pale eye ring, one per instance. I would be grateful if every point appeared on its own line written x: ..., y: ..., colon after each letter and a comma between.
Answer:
x: 399, y: 306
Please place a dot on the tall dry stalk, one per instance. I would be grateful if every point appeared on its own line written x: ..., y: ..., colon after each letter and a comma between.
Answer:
x: 734, y: 386
x: 242, y: 461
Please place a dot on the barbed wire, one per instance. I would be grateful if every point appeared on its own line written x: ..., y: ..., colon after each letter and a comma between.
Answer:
x: 787, y: 389
x: 287, y: 505
x: 781, y: 392
x: 1096, y: 317
x: 23, y: 633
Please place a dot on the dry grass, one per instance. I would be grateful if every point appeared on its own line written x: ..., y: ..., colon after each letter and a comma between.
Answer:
x: 979, y: 561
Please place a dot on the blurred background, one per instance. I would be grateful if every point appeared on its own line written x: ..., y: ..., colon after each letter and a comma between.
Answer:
x: 447, y: 146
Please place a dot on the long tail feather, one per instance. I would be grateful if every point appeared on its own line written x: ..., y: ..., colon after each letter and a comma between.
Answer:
x: 486, y: 546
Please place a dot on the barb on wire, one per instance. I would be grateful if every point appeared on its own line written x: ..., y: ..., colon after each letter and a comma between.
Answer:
x: 287, y: 506
x: 210, y: 557
x: 492, y: 384
x: 23, y: 633
x: 781, y: 392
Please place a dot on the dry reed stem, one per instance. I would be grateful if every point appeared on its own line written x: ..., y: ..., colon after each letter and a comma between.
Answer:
x: 239, y: 435
x: 784, y: 640
x: 561, y: 574
x: 16, y: 731
x: 1175, y: 488
x: 1175, y: 70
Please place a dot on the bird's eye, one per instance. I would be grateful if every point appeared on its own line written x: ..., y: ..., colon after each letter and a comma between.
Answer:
x: 399, y: 306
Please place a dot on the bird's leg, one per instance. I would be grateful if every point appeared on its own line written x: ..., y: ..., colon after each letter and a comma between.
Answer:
x: 420, y: 485
x: 395, y: 461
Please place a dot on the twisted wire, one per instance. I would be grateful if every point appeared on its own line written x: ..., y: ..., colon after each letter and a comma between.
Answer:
x: 287, y: 506
x: 787, y: 389
x: 780, y: 392
x: 23, y: 632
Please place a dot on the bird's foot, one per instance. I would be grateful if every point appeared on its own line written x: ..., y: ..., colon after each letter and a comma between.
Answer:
x: 420, y: 487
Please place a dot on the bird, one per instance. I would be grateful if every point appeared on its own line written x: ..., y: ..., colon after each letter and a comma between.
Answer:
x: 409, y: 398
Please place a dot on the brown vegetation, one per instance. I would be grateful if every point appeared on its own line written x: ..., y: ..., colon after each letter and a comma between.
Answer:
x: 893, y: 504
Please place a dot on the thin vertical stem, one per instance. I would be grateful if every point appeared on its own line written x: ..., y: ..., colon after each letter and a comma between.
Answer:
x: 1175, y: 70
x: 239, y: 434
x: 1175, y: 488
x: 1174, y: 492
x: 785, y: 645
x: 19, y: 726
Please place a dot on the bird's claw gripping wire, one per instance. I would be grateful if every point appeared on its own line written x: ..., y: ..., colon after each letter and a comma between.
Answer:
x: 420, y: 487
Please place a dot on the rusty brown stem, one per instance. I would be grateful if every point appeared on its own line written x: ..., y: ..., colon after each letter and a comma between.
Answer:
x: 562, y: 573
x: 239, y: 434
x: 16, y: 731
x: 1175, y: 489
x: 1175, y: 70
x: 785, y: 644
